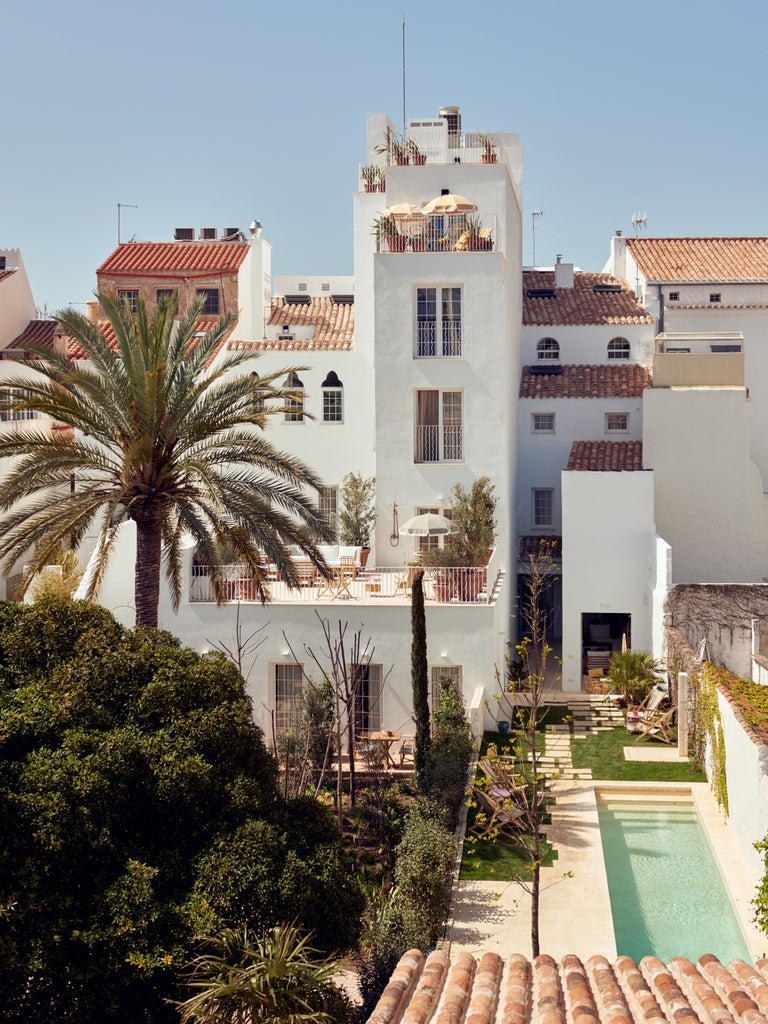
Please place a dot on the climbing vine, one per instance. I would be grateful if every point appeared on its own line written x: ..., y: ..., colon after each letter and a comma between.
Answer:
x: 709, y: 730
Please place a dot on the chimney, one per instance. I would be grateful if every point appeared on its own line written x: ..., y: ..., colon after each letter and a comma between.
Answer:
x: 563, y: 273
x: 617, y: 263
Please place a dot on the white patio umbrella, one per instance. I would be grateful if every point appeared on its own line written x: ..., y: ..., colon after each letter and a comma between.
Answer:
x: 428, y: 524
x: 450, y: 203
x: 406, y: 210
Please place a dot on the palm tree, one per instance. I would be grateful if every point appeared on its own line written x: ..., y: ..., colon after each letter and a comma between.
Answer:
x: 278, y: 977
x: 633, y: 673
x: 160, y: 438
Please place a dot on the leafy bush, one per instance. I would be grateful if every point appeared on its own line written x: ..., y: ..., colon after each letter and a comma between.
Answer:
x: 450, y: 752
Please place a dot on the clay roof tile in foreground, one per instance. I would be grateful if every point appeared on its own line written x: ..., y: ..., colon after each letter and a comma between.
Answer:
x: 333, y: 323
x: 579, y: 380
x: 606, y: 456
x: 175, y: 258
x: 701, y: 259
x: 594, y: 299
x: 493, y: 990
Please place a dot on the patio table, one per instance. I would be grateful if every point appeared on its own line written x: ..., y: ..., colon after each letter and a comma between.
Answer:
x: 386, y: 740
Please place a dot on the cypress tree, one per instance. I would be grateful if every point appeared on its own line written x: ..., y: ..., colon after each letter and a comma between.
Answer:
x: 419, y: 676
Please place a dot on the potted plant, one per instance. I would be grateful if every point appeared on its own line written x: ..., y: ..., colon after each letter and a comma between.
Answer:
x: 357, y: 516
x: 488, y: 147
x: 478, y: 237
x: 393, y: 148
x: 417, y: 157
x: 418, y: 240
x: 467, y: 549
x: 385, y: 229
x: 372, y: 177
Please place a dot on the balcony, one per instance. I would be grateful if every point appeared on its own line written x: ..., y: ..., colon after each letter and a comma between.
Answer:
x: 382, y: 586
x: 442, y: 233
x: 427, y: 332
x: 436, y: 443
x: 699, y: 360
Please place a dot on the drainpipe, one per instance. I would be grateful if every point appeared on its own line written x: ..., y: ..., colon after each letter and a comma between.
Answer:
x: 661, y: 310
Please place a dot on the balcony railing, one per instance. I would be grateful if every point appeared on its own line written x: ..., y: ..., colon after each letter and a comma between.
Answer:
x: 443, y: 233
x: 448, y: 585
x: 426, y: 338
x: 429, y: 447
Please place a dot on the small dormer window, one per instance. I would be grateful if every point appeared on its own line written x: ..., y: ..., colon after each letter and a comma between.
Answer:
x: 674, y: 296
x: 715, y: 297
x: 618, y: 348
x: 548, y: 350
x: 333, y: 399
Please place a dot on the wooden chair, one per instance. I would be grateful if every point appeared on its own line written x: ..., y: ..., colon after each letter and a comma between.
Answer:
x: 493, y: 813
x: 660, y: 724
x: 407, y: 749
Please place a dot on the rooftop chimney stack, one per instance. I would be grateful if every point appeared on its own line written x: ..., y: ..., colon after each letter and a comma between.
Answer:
x: 563, y: 273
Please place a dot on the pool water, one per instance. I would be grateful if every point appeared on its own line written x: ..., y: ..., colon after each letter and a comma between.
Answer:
x: 667, y: 896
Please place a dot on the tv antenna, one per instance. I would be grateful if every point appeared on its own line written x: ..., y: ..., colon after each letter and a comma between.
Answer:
x: 639, y: 220
x: 123, y: 206
x: 534, y: 215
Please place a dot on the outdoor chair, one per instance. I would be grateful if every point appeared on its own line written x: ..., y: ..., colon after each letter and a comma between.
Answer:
x: 637, y: 714
x: 407, y: 749
x: 660, y: 724
x: 492, y: 813
x: 503, y: 782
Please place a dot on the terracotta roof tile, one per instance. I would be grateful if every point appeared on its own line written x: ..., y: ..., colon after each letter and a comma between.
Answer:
x: 7, y: 273
x: 175, y: 258
x: 701, y: 259
x: 39, y: 331
x: 334, y: 324
x: 76, y: 352
x: 578, y: 380
x: 606, y: 456
x: 588, y: 302
x: 543, y: 991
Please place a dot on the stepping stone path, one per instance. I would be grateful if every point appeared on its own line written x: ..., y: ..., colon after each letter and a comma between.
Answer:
x: 590, y: 713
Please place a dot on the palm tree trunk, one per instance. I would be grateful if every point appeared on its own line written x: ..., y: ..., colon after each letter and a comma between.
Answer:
x: 147, y: 578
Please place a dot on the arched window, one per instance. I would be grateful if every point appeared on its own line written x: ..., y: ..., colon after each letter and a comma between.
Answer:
x: 618, y: 348
x: 294, y: 407
x: 258, y: 399
x: 548, y: 349
x: 333, y: 399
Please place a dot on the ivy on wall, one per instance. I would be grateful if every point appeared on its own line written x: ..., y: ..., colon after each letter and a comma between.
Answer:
x: 709, y: 728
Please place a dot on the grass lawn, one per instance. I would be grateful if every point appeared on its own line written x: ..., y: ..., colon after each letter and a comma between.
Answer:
x: 604, y: 754
x: 488, y: 860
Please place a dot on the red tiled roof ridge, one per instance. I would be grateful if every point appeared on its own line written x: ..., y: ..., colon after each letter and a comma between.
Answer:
x: 606, y: 457
x: 159, y: 259
x: 491, y: 989
x: 702, y: 258
x: 333, y: 323
x: 581, y: 304
x: 586, y: 380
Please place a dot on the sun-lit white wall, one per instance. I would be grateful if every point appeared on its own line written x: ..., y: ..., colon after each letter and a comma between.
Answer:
x: 17, y: 305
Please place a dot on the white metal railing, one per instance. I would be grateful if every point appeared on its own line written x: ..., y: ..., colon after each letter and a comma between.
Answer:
x: 443, y: 585
x: 428, y: 443
x: 426, y: 338
x: 447, y: 232
x: 441, y: 146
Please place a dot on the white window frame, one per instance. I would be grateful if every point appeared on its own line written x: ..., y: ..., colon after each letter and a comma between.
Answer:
x: 368, y: 699
x: 129, y: 295
x: 430, y: 543
x: 328, y: 506
x: 619, y: 348
x: 442, y: 441
x: 294, y: 407
x: 617, y: 423
x: 539, y: 497
x: 548, y: 350
x: 20, y: 415
x: 287, y: 683
x: 333, y: 405
x: 438, y: 333
x: 542, y: 423
x: 455, y: 672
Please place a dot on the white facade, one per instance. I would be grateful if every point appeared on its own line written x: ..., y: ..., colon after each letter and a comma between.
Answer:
x: 17, y: 306
x: 612, y: 563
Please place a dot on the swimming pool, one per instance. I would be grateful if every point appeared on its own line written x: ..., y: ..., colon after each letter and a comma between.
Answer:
x: 667, y: 896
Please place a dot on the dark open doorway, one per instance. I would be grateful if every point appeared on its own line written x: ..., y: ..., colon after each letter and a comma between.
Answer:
x: 603, y: 633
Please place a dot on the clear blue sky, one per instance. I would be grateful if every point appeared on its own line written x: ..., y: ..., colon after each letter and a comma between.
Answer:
x: 215, y: 113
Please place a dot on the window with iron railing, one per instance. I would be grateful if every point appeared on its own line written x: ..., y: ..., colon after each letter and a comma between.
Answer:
x: 438, y: 325
x: 439, y: 426
x: 288, y: 686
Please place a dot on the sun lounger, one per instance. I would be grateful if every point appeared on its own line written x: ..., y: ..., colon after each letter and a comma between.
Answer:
x: 659, y: 724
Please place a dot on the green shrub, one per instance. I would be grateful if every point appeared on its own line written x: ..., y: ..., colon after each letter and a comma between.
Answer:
x: 445, y: 778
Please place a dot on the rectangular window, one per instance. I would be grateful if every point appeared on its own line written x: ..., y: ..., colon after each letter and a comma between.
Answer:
x: 294, y: 409
x: 165, y: 293
x: 129, y: 295
x: 333, y: 405
x: 542, y: 422
x: 438, y: 328
x: 427, y: 543
x: 616, y: 422
x: 367, y: 682
x: 211, y: 303
x: 674, y: 296
x: 437, y: 673
x: 543, y: 507
x: 725, y: 348
x: 714, y: 296
x: 288, y: 683
x: 439, y: 426
x: 6, y: 416
x: 2, y: 262
x: 329, y: 506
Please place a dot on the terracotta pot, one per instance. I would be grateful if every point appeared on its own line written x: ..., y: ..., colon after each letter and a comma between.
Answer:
x: 488, y: 158
x: 418, y: 244
x: 420, y: 159
x: 371, y: 186
x: 248, y: 590
x: 402, y: 161
x: 364, y: 556
x: 396, y: 243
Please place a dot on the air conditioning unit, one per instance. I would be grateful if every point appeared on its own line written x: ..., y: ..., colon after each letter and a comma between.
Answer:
x: 208, y: 234
x: 183, y: 234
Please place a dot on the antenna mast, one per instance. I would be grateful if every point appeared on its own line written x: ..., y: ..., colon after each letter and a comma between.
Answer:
x: 534, y: 215
x: 403, y: 74
x: 123, y: 206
